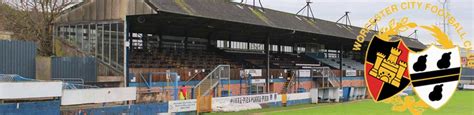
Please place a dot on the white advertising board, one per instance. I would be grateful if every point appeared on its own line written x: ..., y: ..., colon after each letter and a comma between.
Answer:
x: 351, y: 72
x: 304, y: 73
x: 19, y: 90
x: 262, y: 98
x: 254, y: 72
x: 182, y: 105
x: 98, y: 95
x: 258, y: 81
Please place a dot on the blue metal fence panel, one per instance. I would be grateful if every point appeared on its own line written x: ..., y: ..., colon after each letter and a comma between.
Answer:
x: 18, y: 57
x: 346, y: 93
x: 74, y: 67
x: 135, y: 109
x: 31, y: 108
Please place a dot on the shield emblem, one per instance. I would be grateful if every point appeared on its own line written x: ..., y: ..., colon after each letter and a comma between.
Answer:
x: 435, y: 74
x: 386, y: 69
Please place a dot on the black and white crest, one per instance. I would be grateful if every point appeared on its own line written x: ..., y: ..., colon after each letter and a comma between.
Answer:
x: 434, y: 73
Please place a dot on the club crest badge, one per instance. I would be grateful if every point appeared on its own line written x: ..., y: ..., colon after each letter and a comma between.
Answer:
x: 435, y: 71
x: 386, y: 68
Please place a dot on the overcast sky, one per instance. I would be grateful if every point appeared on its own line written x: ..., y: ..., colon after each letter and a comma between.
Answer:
x: 362, y: 10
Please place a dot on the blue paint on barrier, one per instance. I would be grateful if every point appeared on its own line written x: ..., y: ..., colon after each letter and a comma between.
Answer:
x: 275, y: 104
x: 297, y: 102
x: 135, y: 109
x: 186, y: 113
x: 31, y: 108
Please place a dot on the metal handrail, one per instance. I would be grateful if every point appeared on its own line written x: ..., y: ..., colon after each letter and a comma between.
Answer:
x: 187, y: 81
x: 326, y: 72
x: 71, y: 80
x: 143, y: 78
x: 332, y: 78
x: 290, y: 83
x: 210, y: 74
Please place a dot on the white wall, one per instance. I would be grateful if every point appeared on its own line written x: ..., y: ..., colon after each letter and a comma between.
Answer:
x: 468, y: 86
x: 19, y: 90
x: 297, y: 96
x: 314, y: 93
x: 330, y: 93
x: 99, y: 95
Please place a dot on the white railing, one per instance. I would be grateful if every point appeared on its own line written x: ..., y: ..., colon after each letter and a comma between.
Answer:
x: 326, y: 72
x: 221, y: 72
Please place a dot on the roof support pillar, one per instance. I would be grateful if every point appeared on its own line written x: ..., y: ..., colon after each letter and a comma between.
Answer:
x: 248, y: 45
x: 279, y: 48
x: 160, y: 41
x: 340, y: 66
x: 230, y: 39
x: 186, y: 41
x: 209, y: 40
x: 295, y: 48
x: 267, y: 52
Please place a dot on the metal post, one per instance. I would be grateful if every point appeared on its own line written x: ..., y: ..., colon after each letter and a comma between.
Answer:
x: 198, y: 100
x: 102, y: 38
x: 53, y: 49
x: 117, y: 32
x: 340, y: 66
x: 175, y: 92
x: 126, y: 47
x: 240, y: 87
x: 228, y: 83
x: 82, y: 36
x: 249, y: 84
x: 110, y: 43
x: 268, y: 63
x: 96, y: 40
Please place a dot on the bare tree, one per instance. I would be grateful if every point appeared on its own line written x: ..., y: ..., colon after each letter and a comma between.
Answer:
x: 33, y: 20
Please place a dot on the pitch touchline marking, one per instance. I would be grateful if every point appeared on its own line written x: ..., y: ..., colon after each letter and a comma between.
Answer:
x: 316, y: 106
x: 433, y: 77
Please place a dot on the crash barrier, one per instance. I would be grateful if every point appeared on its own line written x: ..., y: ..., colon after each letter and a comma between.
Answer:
x: 298, y: 98
x: 353, y: 93
x: 232, y: 103
x: 98, y: 95
x: 326, y: 95
x: 32, y: 89
x: 469, y: 87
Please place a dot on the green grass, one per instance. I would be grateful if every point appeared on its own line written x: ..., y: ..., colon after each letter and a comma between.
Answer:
x: 462, y: 103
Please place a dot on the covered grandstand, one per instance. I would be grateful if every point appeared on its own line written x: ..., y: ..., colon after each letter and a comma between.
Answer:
x: 193, y: 37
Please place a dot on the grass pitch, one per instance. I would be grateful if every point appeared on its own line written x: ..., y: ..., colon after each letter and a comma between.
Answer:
x: 462, y: 103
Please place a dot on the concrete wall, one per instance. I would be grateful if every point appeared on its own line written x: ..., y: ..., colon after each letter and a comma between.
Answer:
x: 298, y: 98
x: 99, y: 95
x: 43, y: 65
x: 21, y: 90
